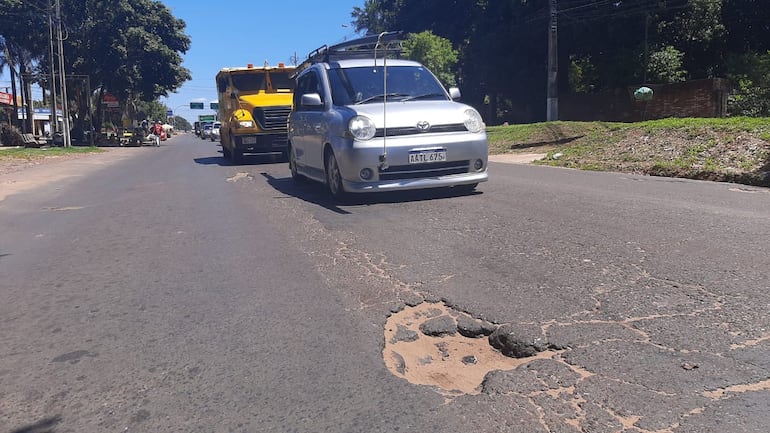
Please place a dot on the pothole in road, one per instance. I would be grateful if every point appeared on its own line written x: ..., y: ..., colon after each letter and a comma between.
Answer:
x: 433, y: 344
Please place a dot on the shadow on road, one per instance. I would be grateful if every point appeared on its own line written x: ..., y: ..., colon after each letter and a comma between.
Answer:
x: 316, y: 193
x: 245, y: 160
x: 47, y: 425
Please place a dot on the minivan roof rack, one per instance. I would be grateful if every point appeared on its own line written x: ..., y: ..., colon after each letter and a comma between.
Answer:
x: 361, y: 48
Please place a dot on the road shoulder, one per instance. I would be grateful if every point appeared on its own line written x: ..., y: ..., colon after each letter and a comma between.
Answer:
x: 17, y: 176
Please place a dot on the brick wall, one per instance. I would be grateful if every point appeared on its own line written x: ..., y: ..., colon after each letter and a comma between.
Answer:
x: 696, y: 98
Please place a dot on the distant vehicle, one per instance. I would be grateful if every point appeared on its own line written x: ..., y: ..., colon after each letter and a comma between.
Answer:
x: 254, y: 104
x: 206, y: 130
x: 197, y: 128
x: 214, y: 134
x: 365, y: 124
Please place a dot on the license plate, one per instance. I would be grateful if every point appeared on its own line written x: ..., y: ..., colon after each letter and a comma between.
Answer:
x: 423, y: 156
x: 249, y: 140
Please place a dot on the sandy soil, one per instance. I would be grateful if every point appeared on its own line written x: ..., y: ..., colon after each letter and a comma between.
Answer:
x: 19, y: 175
x: 439, y: 361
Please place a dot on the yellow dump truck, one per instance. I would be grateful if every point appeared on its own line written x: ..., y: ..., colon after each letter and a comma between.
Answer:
x: 254, y: 105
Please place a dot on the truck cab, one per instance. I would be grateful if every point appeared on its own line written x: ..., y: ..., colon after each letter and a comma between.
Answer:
x: 254, y: 105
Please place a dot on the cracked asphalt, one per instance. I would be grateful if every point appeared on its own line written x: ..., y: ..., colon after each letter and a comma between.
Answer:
x: 652, y: 293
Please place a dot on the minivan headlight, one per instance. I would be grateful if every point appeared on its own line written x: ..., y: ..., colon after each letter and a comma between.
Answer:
x: 361, y: 128
x: 473, y: 121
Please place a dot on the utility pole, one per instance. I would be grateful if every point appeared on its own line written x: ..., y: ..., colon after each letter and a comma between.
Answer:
x: 646, y: 47
x: 62, y: 77
x: 54, y: 117
x: 552, y: 103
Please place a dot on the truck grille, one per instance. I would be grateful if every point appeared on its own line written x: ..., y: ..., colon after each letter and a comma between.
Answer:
x: 272, y: 118
x: 416, y: 171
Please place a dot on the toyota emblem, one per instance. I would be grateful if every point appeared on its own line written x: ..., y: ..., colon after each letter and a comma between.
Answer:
x: 423, y: 126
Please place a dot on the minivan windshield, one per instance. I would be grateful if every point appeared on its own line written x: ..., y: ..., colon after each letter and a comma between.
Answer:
x: 364, y: 85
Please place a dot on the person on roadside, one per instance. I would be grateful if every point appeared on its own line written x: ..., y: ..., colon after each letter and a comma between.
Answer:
x: 155, y: 132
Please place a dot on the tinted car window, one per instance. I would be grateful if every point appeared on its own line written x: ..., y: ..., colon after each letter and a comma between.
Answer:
x: 308, y: 83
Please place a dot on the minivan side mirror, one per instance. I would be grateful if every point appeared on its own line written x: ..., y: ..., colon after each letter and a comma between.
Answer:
x: 311, y: 100
x: 454, y: 93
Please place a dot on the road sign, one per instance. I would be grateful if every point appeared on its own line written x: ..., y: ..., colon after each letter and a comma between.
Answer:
x: 169, y: 113
x: 196, y: 105
x: 214, y: 105
x: 207, y: 117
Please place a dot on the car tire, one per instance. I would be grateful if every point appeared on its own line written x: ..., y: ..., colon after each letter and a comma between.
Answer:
x: 293, y: 166
x: 334, y: 177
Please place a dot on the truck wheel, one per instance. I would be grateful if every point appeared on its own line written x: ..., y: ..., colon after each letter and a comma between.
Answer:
x: 236, y: 155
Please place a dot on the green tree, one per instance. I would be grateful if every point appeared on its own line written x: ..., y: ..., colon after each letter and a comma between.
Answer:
x: 181, y: 124
x: 370, y: 18
x: 129, y: 48
x: 603, y: 45
x: 139, y: 60
x: 750, y: 73
x: 151, y: 110
x: 665, y: 66
x: 434, y: 52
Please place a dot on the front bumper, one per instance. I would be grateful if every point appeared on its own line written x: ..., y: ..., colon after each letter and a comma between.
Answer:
x: 421, y: 183
x: 262, y: 143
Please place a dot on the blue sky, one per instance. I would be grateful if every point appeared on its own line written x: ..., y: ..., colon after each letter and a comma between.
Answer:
x: 252, y: 32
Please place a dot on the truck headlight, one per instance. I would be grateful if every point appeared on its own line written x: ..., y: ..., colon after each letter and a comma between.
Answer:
x: 473, y: 121
x: 361, y: 128
x: 246, y: 123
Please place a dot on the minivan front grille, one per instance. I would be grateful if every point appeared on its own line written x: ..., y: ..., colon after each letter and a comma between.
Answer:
x: 416, y: 171
x: 272, y: 118
x: 413, y: 130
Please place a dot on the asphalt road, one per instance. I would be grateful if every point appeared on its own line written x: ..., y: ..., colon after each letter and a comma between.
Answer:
x: 163, y: 289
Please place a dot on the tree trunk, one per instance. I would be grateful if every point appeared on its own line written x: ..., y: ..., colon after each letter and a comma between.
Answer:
x: 26, y: 88
x: 15, y: 116
x: 99, y: 114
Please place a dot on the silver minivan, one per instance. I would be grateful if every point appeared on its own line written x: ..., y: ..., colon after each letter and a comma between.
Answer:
x: 363, y: 124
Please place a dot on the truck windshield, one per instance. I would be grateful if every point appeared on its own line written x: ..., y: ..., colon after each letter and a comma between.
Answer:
x: 249, y: 82
x: 365, y: 84
x: 281, y: 80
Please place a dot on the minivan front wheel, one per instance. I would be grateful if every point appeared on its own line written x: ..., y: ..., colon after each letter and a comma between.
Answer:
x: 293, y: 165
x: 334, y: 177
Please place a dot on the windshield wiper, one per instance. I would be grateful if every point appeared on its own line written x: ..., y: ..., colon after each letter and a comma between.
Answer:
x: 381, y: 96
x: 425, y: 96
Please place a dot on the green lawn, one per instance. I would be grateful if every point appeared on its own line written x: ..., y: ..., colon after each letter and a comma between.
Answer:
x: 729, y: 149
